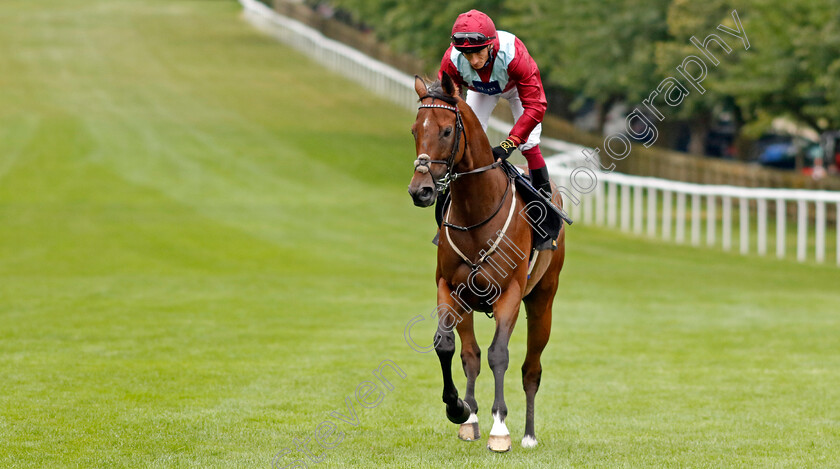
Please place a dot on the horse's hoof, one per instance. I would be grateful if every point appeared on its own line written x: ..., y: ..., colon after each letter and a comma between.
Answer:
x: 469, y: 430
x: 529, y: 442
x: 499, y: 444
x: 460, y: 413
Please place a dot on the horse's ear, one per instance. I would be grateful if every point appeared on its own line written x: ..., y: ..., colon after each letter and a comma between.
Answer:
x: 420, y: 86
x: 448, y: 85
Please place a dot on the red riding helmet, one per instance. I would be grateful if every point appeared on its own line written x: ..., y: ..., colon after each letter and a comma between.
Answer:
x: 473, y: 30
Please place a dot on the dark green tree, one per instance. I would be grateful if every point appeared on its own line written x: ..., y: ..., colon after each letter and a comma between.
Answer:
x: 599, y: 50
x: 792, y: 68
x: 417, y: 27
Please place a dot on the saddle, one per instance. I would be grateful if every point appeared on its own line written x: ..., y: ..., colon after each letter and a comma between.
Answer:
x: 545, y: 218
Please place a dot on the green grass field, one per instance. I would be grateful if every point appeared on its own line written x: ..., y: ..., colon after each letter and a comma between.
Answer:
x: 206, y: 245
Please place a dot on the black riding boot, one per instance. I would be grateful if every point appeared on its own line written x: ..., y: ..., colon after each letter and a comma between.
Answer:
x: 539, y: 179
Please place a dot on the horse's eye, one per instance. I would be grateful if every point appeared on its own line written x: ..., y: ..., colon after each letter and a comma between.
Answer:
x: 446, y: 132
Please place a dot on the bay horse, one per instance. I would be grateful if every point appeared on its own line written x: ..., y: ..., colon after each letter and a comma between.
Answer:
x: 482, y: 261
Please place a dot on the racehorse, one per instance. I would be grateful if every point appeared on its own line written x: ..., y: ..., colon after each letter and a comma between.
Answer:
x: 482, y: 258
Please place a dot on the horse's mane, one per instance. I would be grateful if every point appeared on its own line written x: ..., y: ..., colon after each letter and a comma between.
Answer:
x: 435, y: 90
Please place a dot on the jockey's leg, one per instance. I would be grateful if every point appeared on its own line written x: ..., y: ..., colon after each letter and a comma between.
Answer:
x: 539, y: 179
x: 482, y: 105
x: 531, y: 148
x: 539, y: 173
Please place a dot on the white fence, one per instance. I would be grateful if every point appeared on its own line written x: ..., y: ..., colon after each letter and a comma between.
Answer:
x: 704, y: 213
x: 633, y: 204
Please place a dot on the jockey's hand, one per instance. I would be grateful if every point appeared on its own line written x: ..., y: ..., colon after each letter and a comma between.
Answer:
x: 503, y: 151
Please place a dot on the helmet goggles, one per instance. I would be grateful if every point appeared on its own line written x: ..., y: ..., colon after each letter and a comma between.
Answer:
x: 471, y: 40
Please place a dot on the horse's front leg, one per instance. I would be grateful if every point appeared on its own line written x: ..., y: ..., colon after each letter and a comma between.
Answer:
x: 506, y: 310
x: 471, y: 360
x: 448, y: 317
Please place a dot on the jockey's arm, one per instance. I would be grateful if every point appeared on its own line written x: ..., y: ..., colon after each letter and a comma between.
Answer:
x: 524, y: 72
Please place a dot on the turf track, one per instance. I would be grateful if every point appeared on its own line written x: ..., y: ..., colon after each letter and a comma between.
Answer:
x: 206, y: 245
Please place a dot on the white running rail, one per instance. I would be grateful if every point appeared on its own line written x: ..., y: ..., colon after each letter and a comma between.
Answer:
x: 704, y: 213
x: 634, y: 204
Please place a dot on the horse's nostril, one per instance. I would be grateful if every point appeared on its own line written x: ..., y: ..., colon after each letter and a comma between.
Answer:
x: 426, y: 193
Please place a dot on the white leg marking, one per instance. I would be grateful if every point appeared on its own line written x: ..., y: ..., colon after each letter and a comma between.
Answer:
x: 529, y: 442
x: 499, y: 427
x: 473, y: 419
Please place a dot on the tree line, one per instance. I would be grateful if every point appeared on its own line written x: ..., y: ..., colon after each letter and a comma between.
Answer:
x: 596, y: 54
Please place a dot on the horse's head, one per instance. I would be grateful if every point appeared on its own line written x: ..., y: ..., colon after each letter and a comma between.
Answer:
x: 438, y: 138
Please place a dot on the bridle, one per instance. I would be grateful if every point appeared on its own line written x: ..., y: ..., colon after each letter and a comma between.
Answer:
x: 423, y: 160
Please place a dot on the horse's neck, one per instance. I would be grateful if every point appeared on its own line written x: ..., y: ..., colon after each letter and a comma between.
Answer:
x: 475, y: 196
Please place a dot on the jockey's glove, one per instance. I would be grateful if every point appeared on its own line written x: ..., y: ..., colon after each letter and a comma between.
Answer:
x: 504, y: 149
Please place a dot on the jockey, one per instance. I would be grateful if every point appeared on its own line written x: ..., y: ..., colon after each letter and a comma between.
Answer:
x: 494, y: 64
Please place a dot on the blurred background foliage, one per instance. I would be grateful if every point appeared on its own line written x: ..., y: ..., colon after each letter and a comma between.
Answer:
x: 597, y: 54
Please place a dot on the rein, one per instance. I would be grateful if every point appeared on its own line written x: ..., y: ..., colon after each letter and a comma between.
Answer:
x: 499, y: 207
